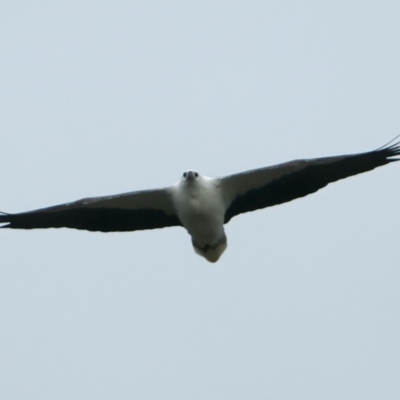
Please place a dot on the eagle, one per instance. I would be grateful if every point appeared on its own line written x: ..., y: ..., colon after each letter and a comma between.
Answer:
x: 203, y: 204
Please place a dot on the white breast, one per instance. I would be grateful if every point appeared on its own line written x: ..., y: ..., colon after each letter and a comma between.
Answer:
x: 201, y: 209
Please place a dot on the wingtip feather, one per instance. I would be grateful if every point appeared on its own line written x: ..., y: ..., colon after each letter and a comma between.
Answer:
x: 390, y: 150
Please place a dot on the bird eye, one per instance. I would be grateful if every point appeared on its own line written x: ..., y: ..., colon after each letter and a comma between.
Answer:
x: 184, y: 174
x: 196, y: 174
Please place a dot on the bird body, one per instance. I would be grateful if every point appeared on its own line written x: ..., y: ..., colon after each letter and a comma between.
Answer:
x: 203, y: 204
x: 201, y: 209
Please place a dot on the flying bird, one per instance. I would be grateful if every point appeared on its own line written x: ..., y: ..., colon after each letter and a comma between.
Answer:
x: 203, y: 204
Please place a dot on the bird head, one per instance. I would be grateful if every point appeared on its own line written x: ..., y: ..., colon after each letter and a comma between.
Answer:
x: 190, y: 176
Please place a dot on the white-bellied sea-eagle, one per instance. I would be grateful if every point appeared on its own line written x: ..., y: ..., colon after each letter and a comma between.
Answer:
x: 202, y: 204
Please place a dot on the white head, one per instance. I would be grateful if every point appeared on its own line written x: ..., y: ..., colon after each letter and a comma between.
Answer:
x: 190, y: 176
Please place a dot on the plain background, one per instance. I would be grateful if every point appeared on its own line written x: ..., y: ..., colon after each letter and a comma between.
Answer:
x: 102, y: 97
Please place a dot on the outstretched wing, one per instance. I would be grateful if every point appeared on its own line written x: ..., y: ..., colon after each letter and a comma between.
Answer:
x: 265, y: 187
x: 148, y: 209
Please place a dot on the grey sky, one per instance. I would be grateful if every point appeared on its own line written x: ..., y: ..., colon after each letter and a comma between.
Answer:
x: 105, y: 97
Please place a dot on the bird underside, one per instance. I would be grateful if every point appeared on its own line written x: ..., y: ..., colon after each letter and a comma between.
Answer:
x: 204, y: 204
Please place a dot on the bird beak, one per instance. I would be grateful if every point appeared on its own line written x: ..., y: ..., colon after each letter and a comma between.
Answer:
x: 190, y: 176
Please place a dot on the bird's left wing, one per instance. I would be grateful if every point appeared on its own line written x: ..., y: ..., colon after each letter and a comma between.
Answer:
x: 147, y: 209
x: 265, y: 187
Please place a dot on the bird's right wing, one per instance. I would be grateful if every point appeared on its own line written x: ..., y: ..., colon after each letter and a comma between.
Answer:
x: 147, y: 209
x: 265, y: 187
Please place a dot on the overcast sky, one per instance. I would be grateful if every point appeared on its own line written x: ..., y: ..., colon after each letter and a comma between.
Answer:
x: 103, y: 97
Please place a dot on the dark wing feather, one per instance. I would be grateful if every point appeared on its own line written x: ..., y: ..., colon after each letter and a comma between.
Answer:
x: 126, y: 212
x: 92, y: 219
x: 267, y: 187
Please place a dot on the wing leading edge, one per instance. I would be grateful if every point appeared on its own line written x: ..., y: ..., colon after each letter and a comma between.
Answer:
x: 266, y: 187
